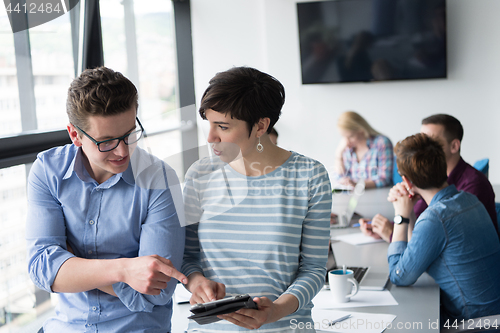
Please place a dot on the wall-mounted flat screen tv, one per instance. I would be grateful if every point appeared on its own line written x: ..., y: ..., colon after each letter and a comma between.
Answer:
x: 372, y: 40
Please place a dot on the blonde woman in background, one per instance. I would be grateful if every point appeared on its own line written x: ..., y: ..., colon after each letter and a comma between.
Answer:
x: 363, y: 153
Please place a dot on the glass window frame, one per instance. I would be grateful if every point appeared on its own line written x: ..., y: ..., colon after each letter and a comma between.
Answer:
x: 22, y: 148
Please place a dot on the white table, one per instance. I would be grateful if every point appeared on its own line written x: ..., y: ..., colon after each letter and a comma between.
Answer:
x: 371, y: 202
x: 179, y: 317
x: 374, y: 201
x: 418, y: 303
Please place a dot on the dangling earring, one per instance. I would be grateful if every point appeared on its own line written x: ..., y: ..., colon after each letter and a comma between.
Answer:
x: 260, y: 147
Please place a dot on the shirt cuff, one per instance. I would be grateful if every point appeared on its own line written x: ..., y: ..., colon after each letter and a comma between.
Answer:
x: 132, y: 299
x: 44, y: 272
x: 396, y: 248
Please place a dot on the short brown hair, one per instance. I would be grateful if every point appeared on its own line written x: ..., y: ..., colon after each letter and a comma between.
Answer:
x: 452, y: 127
x: 246, y: 94
x: 421, y: 159
x: 99, y: 91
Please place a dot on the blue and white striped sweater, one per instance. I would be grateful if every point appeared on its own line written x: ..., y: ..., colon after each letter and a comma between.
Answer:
x: 263, y: 236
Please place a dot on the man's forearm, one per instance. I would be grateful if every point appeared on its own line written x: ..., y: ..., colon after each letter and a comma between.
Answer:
x: 78, y: 275
x: 400, y: 233
x: 413, y: 219
x: 108, y: 290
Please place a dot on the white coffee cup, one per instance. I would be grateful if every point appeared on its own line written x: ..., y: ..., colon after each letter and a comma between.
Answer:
x: 342, y: 286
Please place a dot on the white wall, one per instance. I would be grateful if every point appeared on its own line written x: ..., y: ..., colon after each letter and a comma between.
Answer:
x: 263, y: 34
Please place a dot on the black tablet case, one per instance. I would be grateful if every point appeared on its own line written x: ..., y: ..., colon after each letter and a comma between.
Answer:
x: 207, y: 313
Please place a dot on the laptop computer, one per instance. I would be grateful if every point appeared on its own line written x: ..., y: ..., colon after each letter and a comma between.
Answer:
x: 367, y: 280
x: 349, y: 217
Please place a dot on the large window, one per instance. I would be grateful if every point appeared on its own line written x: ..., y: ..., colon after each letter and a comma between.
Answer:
x: 139, y: 41
x: 146, y: 55
x: 20, y: 302
x: 50, y: 71
x: 9, y: 94
x: 53, y: 70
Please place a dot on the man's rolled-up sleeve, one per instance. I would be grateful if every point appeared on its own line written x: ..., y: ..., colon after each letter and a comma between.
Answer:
x: 409, y: 260
x: 45, y: 230
x: 163, y: 235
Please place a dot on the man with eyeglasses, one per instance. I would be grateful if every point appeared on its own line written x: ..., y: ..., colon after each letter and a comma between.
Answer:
x: 105, y: 218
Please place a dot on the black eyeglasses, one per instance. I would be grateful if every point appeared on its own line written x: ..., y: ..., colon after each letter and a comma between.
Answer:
x: 110, y: 144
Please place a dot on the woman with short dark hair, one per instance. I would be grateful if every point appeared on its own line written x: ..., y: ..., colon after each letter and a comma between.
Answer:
x: 258, y: 215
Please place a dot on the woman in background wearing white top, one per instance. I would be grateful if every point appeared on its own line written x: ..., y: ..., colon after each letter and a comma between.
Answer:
x: 258, y: 214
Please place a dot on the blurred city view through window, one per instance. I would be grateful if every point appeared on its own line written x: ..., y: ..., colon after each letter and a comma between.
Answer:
x: 157, y: 71
x: 9, y: 94
x: 22, y: 307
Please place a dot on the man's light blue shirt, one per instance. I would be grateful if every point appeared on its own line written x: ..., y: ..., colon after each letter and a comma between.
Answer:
x: 131, y: 214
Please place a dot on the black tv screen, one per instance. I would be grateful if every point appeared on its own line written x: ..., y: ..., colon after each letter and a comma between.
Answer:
x: 372, y: 40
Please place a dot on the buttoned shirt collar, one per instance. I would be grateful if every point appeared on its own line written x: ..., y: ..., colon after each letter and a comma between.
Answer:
x: 77, y: 167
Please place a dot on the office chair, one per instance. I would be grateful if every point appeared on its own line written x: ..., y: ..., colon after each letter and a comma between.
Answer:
x: 396, y: 178
x: 475, y: 325
x: 483, y: 166
x: 497, y: 208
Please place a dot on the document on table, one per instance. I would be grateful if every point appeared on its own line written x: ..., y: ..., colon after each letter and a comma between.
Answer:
x: 323, y: 299
x: 358, y: 322
x: 357, y: 239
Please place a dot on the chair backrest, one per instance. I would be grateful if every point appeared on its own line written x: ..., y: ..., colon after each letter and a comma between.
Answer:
x: 396, y: 178
x: 483, y: 166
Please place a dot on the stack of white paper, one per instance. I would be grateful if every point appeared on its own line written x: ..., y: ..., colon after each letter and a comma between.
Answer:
x: 358, y: 322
